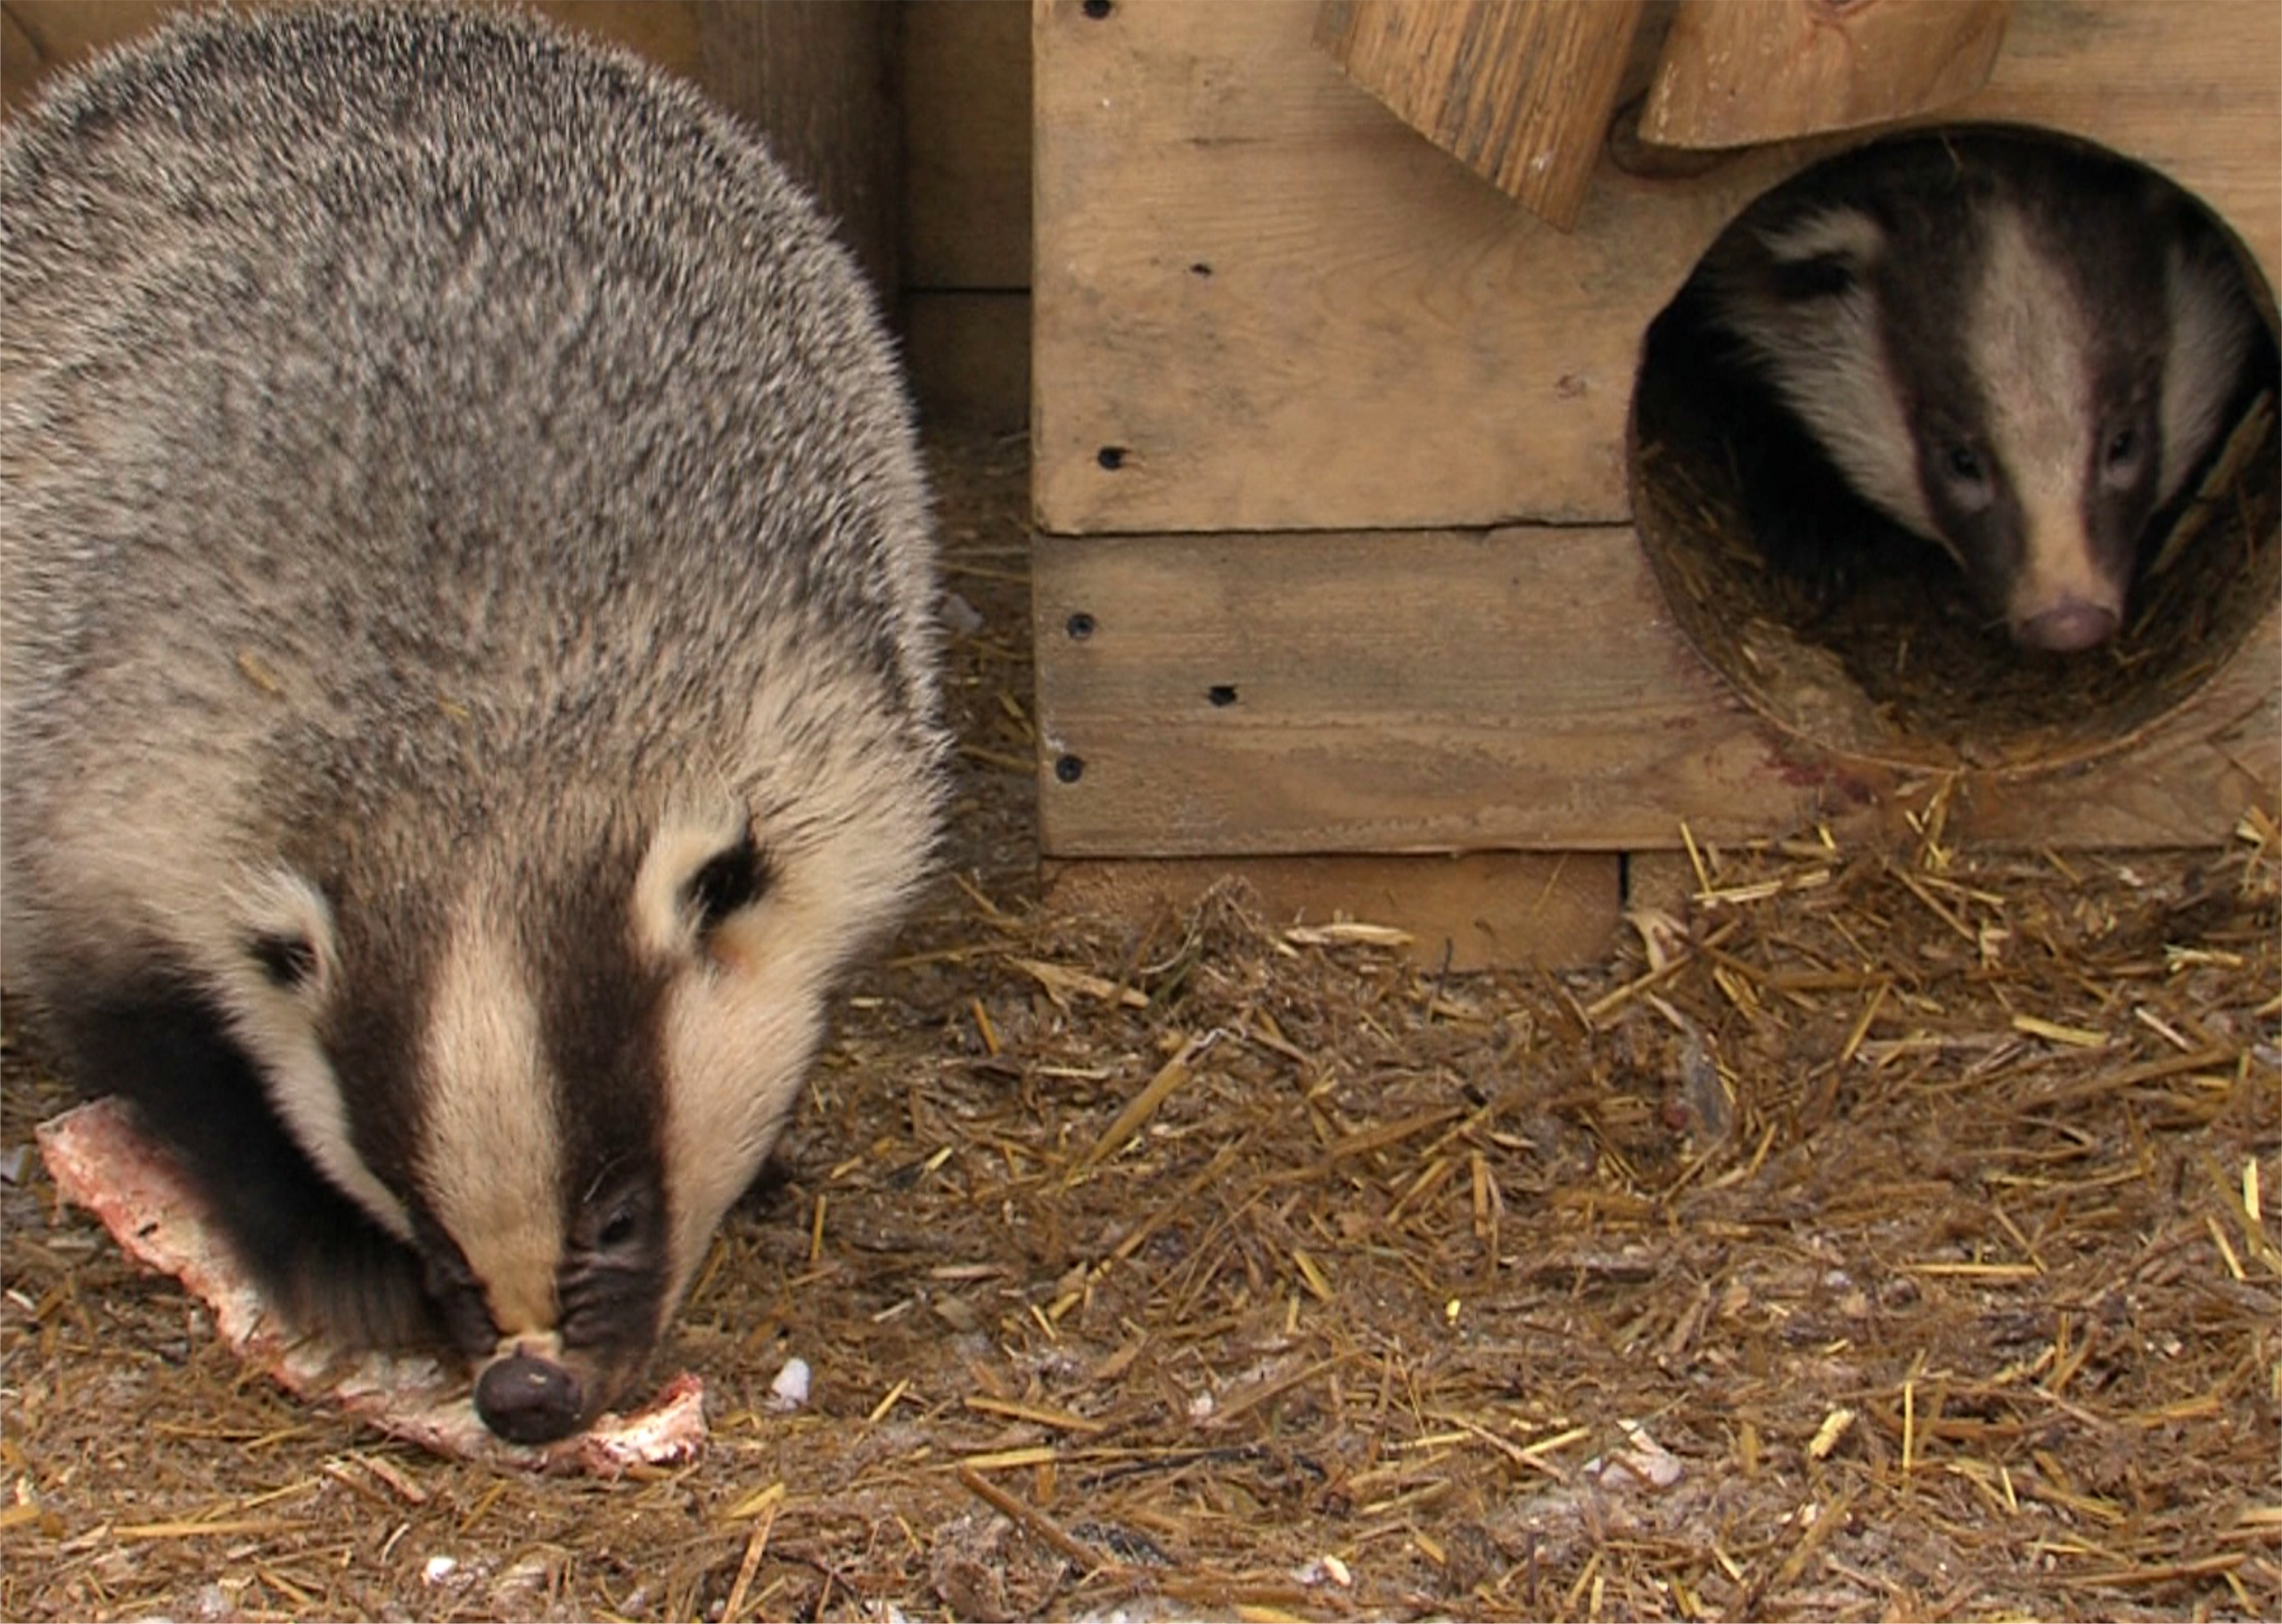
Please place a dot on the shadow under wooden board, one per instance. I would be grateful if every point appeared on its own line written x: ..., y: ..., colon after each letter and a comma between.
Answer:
x: 1460, y: 912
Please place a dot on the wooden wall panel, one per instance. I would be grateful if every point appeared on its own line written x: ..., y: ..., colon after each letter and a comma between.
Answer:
x: 969, y: 357
x: 966, y: 122
x: 966, y: 257
x: 817, y: 77
x: 1521, y: 689
x: 1395, y: 691
x: 1264, y: 303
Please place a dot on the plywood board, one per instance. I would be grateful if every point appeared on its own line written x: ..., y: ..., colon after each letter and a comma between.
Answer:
x: 1266, y: 303
x: 1476, y: 911
x: 1509, y: 689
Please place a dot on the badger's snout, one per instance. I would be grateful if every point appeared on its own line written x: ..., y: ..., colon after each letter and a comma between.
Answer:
x: 528, y: 1399
x: 2067, y: 626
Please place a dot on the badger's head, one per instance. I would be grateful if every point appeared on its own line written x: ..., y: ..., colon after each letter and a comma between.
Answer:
x: 2022, y: 365
x: 549, y: 1058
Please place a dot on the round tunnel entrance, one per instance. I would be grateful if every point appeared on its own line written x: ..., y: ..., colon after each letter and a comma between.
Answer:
x: 1849, y: 627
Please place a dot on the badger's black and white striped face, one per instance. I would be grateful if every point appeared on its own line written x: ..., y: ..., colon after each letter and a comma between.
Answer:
x: 2022, y: 364
x: 552, y: 1085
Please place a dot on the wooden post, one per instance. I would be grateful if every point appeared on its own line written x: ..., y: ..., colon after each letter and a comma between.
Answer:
x: 1735, y: 72
x: 1518, y: 91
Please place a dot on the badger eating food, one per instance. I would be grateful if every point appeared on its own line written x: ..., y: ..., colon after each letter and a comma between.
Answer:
x: 469, y: 674
x: 2017, y: 350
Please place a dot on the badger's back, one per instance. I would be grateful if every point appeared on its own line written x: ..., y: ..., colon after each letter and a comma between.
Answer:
x: 385, y: 351
x: 458, y: 498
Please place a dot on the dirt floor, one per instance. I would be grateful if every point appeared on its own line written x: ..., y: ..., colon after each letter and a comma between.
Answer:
x: 1891, y: 1236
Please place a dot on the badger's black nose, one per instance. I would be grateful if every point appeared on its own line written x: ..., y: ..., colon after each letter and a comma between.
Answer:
x: 528, y: 1400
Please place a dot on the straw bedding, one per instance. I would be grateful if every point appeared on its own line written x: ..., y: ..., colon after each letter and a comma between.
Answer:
x: 1884, y: 1233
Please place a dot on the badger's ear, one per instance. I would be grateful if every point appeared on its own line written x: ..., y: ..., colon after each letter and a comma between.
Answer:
x: 730, y: 881
x: 1822, y: 253
x: 700, y: 876
x: 286, y: 933
x: 2213, y: 335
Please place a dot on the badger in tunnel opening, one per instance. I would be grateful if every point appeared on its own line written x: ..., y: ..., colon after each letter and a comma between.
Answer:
x: 2017, y: 349
x: 467, y: 668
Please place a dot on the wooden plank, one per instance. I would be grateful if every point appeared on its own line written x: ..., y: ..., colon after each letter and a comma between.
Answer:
x: 1512, y: 689
x: 1450, y: 691
x: 1518, y: 91
x: 1255, y: 286
x: 969, y: 357
x: 967, y: 120
x: 1737, y: 72
x: 1482, y: 910
x: 1264, y: 304
x: 1660, y: 883
x: 815, y: 77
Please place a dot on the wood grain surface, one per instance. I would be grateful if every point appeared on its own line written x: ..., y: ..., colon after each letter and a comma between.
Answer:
x: 1263, y: 303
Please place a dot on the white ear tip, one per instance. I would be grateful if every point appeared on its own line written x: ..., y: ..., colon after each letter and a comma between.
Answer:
x: 1842, y: 232
x: 280, y: 903
x: 683, y: 845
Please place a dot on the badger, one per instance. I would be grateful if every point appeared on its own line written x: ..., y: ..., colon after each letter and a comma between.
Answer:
x: 468, y: 686
x: 2017, y: 350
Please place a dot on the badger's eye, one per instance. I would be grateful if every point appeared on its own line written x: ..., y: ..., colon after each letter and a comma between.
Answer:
x: 726, y: 881
x: 285, y: 930
x: 619, y: 1222
x: 2122, y: 454
x: 1963, y: 464
x: 289, y: 961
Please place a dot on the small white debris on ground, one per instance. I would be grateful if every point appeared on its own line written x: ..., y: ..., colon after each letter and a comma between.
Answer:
x: 1642, y: 1463
x: 790, y: 1389
x: 961, y: 618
